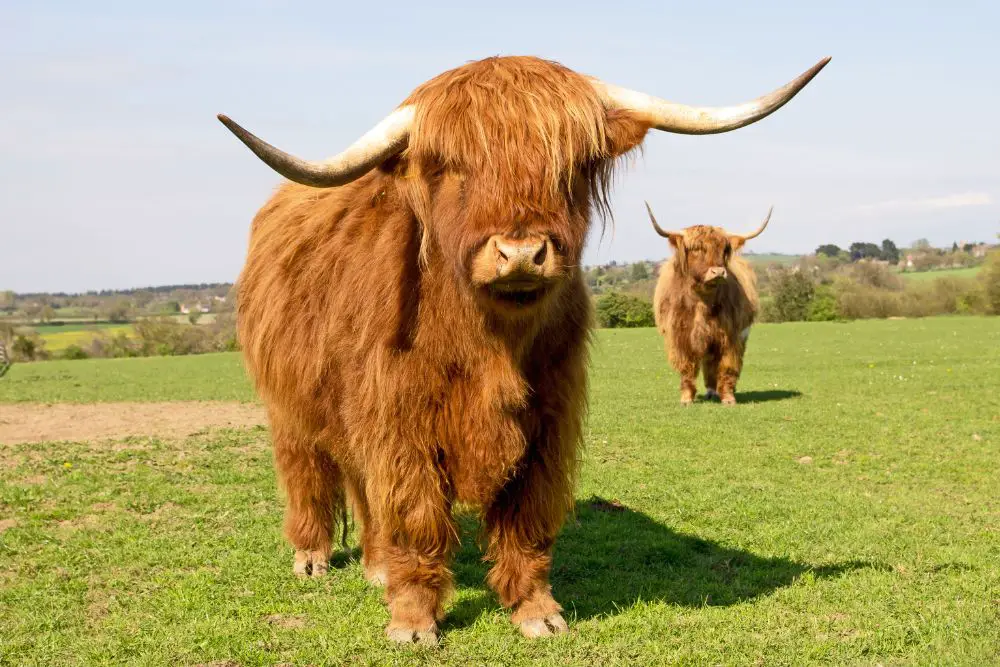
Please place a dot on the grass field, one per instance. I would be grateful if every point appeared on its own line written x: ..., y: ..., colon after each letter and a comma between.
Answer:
x: 48, y: 329
x: 202, y: 377
x: 966, y: 272
x: 846, y: 512
x: 765, y: 259
x: 58, y: 338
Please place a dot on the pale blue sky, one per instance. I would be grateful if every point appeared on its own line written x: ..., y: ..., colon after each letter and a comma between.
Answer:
x: 115, y: 173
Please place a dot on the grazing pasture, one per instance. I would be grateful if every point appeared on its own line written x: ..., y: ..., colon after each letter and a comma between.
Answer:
x: 845, y: 511
x: 964, y: 272
x: 58, y: 338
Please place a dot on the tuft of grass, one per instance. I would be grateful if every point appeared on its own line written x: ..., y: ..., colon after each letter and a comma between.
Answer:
x: 845, y: 512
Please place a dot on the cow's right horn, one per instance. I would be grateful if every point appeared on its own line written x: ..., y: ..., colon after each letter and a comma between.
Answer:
x: 383, y: 141
x: 660, y: 230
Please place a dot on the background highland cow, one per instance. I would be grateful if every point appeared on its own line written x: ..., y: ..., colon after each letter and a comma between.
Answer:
x: 704, y: 304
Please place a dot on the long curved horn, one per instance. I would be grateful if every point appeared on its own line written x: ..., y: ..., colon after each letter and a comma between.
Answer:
x: 381, y: 142
x: 759, y: 229
x: 659, y: 230
x: 683, y: 119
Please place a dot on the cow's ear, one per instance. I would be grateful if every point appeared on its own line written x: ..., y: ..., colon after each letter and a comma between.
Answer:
x: 677, y: 243
x: 736, y: 242
x: 625, y: 131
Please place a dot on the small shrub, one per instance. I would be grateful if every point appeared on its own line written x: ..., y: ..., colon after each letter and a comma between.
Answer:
x: 118, y: 312
x: 857, y: 302
x: 941, y: 296
x: 6, y: 333
x: 106, y: 346
x: 28, y: 347
x: 876, y: 274
x: 617, y: 310
x: 639, y: 271
x: 990, y: 280
x: 74, y: 352
x: 792, y: 292
x: 823, y: 307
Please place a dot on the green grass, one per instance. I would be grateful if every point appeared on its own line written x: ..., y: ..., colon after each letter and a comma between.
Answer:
x: 965, y: 272
x: 765, y: 259
x: 203, y: 377
x: 845, y: 513
x: 76, y: 312
x: 46, y: 329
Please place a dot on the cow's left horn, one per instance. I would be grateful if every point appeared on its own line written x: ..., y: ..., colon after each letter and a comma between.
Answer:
x: 759, y: 229
x: 683, y: 119
x: 383, y: 141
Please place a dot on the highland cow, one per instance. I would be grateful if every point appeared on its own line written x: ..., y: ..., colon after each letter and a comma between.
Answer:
x: 413, y: 314
x: 704, y: 305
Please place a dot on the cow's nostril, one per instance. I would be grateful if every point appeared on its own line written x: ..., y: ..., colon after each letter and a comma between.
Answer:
x: 539, y: 257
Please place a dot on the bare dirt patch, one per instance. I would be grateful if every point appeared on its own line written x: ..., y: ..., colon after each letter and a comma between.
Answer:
x: 287, y: 622
x: 34, y: 422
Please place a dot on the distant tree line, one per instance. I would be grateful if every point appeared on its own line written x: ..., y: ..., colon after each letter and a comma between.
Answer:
x: 116, y: 306
x: 193, y: 287
x: 860, y: 250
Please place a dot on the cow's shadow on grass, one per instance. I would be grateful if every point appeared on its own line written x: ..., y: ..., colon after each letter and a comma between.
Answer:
x: 766, y: 396
x: 757, y: 396
x: 610, y: 557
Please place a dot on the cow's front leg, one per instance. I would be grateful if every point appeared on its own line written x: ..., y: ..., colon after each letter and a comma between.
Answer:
x: 687, y: 366
x: 522, y: 524
x: 730, y: 366
x: 417, y: 535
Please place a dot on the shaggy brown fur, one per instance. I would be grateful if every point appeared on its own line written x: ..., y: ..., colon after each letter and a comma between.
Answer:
x: 392, y: 382
x: 703, y: 325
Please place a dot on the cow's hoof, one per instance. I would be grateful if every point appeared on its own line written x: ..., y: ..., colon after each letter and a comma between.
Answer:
x: 686, y: 401
x: 553, y: 624
x: 411, y: 636
x: 311, y: 563
x: 711, y: 393
x: 729, y: 400
x: 377, y: 576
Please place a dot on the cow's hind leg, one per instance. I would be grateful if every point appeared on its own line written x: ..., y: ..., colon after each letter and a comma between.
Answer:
x: 314, y: 488
x: 372, y: 543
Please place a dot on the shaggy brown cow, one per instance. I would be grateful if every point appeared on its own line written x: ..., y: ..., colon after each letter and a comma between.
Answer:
x: 704, y: 304
x: 414, y: 315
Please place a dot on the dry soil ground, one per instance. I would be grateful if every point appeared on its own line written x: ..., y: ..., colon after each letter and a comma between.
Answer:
x: 98, y: 421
